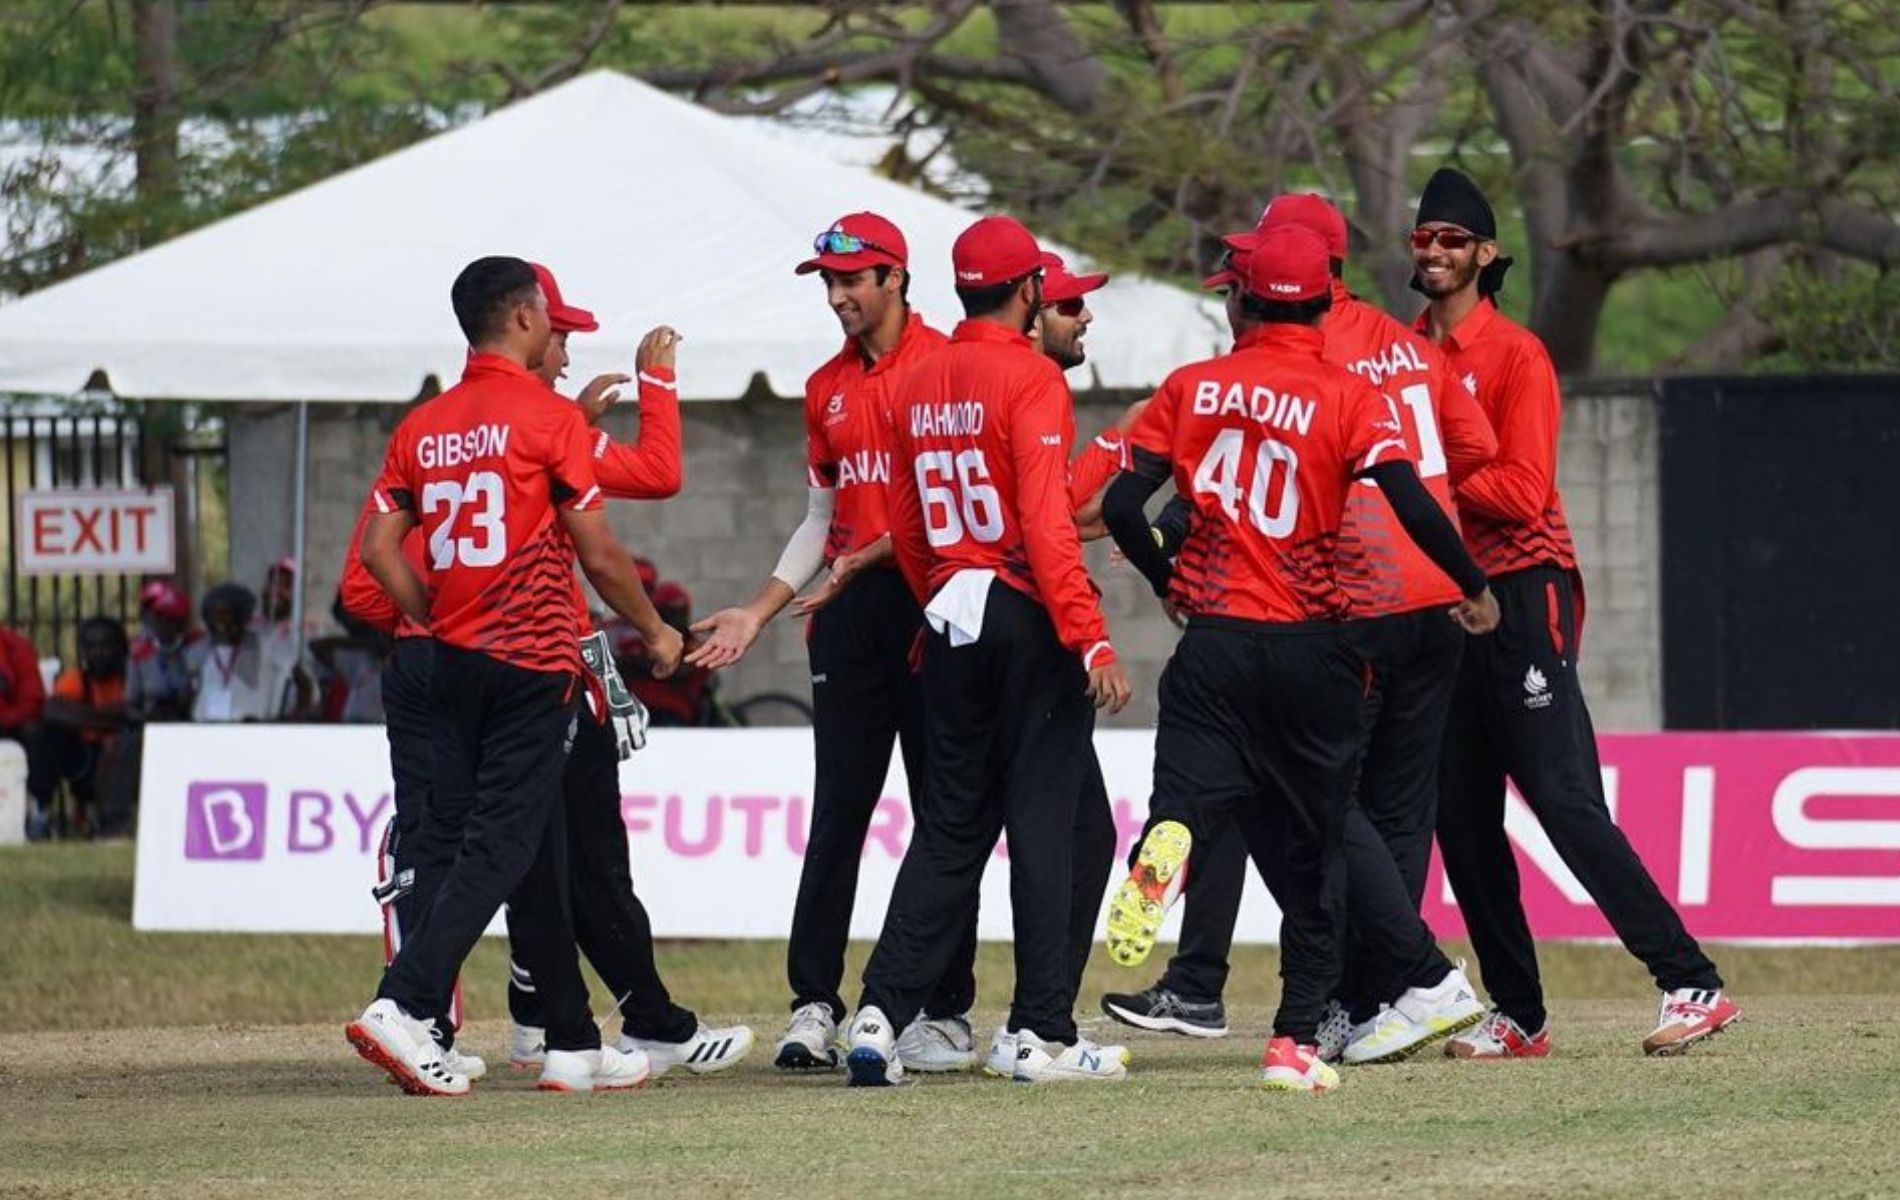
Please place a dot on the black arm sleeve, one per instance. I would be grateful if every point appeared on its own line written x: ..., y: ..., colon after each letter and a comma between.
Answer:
x: 1172, y: 524
x: 1124, y: 511
x: 1426, y: 523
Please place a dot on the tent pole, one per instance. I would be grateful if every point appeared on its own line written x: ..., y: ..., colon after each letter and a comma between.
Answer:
x: 299, y: 515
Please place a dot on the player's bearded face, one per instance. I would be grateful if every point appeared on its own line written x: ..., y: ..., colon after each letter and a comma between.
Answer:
x: 1446, y: 272
x: 1062, y: 336
x: 858, y: 299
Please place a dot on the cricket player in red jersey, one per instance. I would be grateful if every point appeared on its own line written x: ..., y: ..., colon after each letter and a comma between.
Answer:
x: 1262, y: 702
x: 1015, y: 651
x: 1518, y: 710
x: 611, y: 925
x: 863, y: 621
x: 1395, y: 996
x: 498, y: 472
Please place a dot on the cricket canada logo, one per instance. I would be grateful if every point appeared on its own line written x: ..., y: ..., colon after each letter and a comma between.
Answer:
x: 225, y: 820
x: 1536, y: 689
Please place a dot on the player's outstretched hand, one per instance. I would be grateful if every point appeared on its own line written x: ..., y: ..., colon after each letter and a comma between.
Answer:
x: 1109, y: 687
x: 726, y: 636
x: 601, y: 393
x: 665, y: 650
x: 1479, y: 614
x: 844, y: 569
x: 657, y: 349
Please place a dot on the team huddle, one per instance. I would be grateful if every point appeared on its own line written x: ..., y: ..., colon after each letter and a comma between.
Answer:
x: 1366, y: 551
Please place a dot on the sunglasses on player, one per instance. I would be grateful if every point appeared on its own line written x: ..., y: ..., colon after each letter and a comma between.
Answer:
x: 1068, y: 308
x: 837, y: 241
x: 1450, y: 239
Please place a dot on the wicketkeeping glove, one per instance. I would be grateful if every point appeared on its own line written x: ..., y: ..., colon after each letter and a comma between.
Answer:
x: 624, y: 709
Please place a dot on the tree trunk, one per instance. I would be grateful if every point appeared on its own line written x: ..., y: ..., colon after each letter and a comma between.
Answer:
x: 155, y: 111
x: 1568, y: 307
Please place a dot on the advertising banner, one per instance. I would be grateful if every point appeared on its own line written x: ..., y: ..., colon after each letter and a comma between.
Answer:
x: 275, y: 829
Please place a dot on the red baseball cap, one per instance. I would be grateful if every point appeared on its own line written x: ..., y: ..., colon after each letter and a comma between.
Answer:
x: 562, y: 316
x: 1306, y: 210
x: 856, y: 241
x: 1287, y: 263
x: 992, y: 251
x: 164, y: 598
x: 1059, y: 285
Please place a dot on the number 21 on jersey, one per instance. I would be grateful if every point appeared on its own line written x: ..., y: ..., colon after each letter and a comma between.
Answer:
x: 482, y: 497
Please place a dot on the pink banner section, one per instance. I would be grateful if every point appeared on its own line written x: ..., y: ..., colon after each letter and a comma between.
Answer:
x: 1753, y: 836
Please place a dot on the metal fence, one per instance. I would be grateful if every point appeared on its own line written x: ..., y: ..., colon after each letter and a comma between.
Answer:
x: 54, y: 445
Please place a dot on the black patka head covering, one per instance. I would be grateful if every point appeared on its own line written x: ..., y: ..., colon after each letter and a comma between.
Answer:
x: 1451, y: 197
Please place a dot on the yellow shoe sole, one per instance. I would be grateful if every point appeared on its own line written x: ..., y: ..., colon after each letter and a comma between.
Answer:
x: 1140, y: 904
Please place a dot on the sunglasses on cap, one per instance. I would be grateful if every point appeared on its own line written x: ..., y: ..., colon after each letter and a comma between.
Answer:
x: 1069, y: 308
x: 1450, y: 239
x: 837, y: 241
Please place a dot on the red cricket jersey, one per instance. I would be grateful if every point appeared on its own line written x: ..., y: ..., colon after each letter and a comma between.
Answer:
x: 845, y: 448
x: 1513, y: 514
x: 1378, y: 566
x: 364, y: 598
x: 1101, y: 460
x: 1265, y: 443
x: 650, y: 468
x: 980, y: 435
x: 484, y: 467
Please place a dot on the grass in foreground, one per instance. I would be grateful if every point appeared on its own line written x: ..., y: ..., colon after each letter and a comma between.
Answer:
x: 1800, y: 1099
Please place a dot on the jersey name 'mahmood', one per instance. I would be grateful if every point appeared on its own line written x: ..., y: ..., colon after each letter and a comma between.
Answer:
x: 958, y: 418
x: 1259, y: 403
x: 454, y: 449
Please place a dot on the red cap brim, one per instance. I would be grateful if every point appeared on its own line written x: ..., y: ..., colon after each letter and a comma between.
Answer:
x: 1071, y: 287
x: 568, y: 319
x: 1220, y: 279
x: 1243, y: 241
x: 844, y: 264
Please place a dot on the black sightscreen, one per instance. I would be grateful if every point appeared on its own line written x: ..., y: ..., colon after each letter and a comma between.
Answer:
x: 1781, y: 553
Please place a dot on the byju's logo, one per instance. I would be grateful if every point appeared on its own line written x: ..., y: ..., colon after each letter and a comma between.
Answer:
x: 225, y: 820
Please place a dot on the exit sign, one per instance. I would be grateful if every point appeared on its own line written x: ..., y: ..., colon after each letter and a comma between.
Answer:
x: 95, y: 531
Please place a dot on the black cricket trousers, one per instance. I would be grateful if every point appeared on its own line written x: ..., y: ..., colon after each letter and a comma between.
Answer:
x: 494, y: 831
x: 865, y: 698
x: 610, y: 923
x: 1414, y: 658
x: 1008, y: 722
x: 1518, y: 713
x: 1268, y: 717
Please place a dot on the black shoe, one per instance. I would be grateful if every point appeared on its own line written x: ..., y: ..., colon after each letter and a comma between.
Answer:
x: 1165, y: 1011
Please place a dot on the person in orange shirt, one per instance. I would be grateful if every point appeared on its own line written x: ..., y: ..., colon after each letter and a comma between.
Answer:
x: 1518, y: 711
x: 86, y: 732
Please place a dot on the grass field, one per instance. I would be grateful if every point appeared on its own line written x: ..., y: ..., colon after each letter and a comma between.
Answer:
x: 141, y: 1064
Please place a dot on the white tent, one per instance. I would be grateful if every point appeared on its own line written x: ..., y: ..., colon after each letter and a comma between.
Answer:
x: 649, y: 208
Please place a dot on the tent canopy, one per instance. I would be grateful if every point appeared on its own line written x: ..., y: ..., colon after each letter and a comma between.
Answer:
x: 649, y: 208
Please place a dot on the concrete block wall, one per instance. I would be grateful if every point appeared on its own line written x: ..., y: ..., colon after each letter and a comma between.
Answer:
x: 745, y: 491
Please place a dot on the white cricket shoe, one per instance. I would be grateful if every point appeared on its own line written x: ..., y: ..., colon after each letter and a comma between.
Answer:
x: 399, y: 1044
x: 1417, y: 1018
x: 602, y: 1070
x: 872, y: 1059
x: 810, y: 1041
x: 527, y: 1046
x: 1002, y: 1058
x: 1335, y: 1032
x: 937, y: 1045
x: 708, y: 1050
x: 473, y: 1066
x: 1038, y: 1061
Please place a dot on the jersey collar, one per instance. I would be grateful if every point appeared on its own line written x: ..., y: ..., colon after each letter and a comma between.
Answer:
x: 1304, y: 340
x: 901, y: 352
x: 1469, y: 328
x: 496, y: 364
x: 977, y: 330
